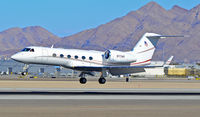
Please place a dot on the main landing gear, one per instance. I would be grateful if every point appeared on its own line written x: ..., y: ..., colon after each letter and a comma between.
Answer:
x: 102, y: 80
x: 83, y: 80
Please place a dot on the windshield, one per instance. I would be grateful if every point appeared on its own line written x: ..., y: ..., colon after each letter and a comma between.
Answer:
x: 28, y: 50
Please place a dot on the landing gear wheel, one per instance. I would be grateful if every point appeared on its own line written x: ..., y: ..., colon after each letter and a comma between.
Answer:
x: 83, y: 80
x: 24, y: 73
x: 102, y: 80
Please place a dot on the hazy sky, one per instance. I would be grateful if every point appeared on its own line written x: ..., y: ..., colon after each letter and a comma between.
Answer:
x: 66, y: 17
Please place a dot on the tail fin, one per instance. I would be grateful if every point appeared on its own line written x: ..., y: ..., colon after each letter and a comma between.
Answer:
x: 168, y: 61
x: 145, y: 48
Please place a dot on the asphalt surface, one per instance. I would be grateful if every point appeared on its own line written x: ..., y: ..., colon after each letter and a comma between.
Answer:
x: 56, y: 102
x: 38, y: 101
x: 103, y: 94
x: 98, y: 108
x: 99, y: 91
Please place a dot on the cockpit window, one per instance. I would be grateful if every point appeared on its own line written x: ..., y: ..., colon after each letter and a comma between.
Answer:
x: 28, y: 50
x: 32, y: 50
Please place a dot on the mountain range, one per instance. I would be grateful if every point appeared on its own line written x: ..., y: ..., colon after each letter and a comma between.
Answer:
x: 15, y: 39
x: 121, y: 34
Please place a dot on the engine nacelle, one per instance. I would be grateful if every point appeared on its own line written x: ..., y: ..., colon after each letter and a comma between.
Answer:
x: 115, y: 57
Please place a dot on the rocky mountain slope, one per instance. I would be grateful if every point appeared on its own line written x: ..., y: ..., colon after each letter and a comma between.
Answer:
x: 14, y: 39
x: 123, y: 33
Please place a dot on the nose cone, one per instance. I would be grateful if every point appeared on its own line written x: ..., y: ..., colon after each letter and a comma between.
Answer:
x: 15, y: 57
x: 20, y: 57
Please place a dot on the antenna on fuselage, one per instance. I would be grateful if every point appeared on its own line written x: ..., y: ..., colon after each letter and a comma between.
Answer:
x: 52, y: 46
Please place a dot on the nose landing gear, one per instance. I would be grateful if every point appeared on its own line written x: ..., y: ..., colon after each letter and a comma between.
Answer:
x: 25, y: 70
x: 83, y: 80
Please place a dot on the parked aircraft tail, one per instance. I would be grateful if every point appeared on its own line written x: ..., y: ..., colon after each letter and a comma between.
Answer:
x: 168, y: 61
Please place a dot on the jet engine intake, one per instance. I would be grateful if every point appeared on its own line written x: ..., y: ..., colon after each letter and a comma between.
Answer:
x: 115, y: 57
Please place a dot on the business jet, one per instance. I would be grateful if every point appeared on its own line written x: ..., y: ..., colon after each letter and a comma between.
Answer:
x: 90, y: 61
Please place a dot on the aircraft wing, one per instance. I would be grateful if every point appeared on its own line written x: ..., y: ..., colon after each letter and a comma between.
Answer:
x: 116, y: 70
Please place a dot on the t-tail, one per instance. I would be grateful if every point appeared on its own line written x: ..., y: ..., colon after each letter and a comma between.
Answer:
x: 145, y: 48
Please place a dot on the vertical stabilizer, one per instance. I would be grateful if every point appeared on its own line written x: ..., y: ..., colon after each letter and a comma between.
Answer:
x: 168, y: 61
x: 145, y: 48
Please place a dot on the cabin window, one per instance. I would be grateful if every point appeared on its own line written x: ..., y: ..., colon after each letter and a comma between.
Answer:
x: 68, y: 56
x: 83, y: 57
x: 90, y: 58
x: 54, y: 55
x: 61, y: 55
x: 76, y: 57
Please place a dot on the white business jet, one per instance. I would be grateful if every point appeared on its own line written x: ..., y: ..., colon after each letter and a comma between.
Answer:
x: 90, y: 61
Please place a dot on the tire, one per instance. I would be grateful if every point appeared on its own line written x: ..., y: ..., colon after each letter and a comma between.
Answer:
x: 83, y: 80
x: 23, y: 73
x: 102, y: 80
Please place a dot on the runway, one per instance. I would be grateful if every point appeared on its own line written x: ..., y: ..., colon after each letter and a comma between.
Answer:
x: 57, y: 99
x: 99, y: 108
x: 73, y: 102
x: 99, y: 94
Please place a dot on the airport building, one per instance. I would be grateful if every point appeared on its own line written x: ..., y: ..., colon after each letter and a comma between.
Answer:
x: 9, y: 66
x: 16, y: 68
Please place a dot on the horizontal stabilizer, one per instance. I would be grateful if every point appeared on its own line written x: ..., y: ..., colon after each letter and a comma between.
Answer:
x: 164, y: 36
